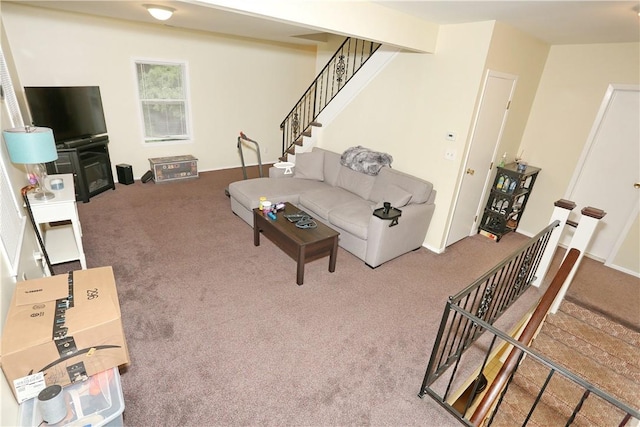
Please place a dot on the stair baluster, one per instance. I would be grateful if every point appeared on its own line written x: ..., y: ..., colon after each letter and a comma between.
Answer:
x: 346, y: 61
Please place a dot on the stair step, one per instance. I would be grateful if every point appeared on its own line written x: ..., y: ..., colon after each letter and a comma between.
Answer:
x: 601, y: 322
x: 590, y: 358
x: 563, y: 395
x: 306, y: 133
x: 595, y: 348
x: 603, y: 349
x: 513, y: 411
x: 291, y: 150
x: 548, y: 411
x: 316, y: 124
x: 299, y: 142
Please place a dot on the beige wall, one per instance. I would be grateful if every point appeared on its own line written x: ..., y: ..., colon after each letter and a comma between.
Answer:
x: 573, y: 85
x: 235, y: 84
x: 519, y: 54
x: 418, y: 98
x: 410, y: 106
x: 326, y: 51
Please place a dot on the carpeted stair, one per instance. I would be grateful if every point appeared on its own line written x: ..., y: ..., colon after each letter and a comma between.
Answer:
x: 591, y: 346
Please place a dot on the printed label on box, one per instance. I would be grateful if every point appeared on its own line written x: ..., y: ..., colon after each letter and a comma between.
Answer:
x: 29, y: 387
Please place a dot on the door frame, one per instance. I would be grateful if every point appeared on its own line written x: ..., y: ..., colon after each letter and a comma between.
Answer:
x: 463, y: 167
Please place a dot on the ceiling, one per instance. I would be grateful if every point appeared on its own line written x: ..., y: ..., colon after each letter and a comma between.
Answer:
x: 555, y: 22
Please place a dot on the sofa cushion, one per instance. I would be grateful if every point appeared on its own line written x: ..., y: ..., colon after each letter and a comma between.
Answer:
x: 332, y: 166
x: 248, y: 192
x: 355, y: 182
x: 353, y: 218
x: 310, y: 165
x: 394, y: 195
x: 321, y: 202
x: 420, y: 190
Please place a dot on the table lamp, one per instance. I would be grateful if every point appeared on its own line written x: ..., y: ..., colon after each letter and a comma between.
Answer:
x: 33, y: 146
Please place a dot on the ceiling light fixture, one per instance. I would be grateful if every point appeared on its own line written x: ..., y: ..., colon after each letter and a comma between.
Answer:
x: 161, y: 13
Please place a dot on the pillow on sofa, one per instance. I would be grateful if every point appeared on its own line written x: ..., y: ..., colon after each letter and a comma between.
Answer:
x: 355, y: 182
x: 310, y: 165
x: 394, y: 195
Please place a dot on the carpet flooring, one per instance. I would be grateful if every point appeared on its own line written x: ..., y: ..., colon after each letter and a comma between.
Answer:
x: 220, y: 334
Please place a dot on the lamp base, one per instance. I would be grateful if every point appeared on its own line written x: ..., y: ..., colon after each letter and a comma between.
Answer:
x: 38, y: 177
x: 41, y: 193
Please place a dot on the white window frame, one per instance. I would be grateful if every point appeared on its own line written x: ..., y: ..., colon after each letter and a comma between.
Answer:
x: 169, y: 140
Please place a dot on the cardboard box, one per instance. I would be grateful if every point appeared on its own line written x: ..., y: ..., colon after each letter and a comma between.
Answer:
x: 65, y: 328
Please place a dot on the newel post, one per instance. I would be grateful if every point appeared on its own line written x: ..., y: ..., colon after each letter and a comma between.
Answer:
x: 584, y: 232
x: 560, y: 213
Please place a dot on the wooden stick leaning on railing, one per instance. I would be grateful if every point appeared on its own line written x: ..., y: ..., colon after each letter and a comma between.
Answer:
x: 529, y: 332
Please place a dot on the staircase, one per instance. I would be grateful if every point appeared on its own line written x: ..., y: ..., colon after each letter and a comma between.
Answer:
x: 581, y: 369
x: 343, y: 65
x: 593, y: 347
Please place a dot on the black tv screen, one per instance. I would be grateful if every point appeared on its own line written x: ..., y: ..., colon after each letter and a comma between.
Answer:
x: 73, y: 112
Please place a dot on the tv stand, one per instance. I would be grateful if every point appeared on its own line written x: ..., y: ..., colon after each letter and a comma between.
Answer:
x: 73, y: 143
x: 89, y: 162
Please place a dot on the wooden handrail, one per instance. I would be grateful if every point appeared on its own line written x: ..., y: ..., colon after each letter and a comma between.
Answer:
x: 527, y: 335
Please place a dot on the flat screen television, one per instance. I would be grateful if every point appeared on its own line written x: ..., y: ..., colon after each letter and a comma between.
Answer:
x: 72, y: 112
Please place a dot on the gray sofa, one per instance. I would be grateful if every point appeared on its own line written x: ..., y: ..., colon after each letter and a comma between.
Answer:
x: 345, y: 200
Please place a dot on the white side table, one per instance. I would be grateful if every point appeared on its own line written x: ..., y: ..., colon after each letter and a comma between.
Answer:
x: 63, y: 242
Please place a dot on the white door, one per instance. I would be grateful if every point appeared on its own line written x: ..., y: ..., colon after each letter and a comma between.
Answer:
x: 486, y: 134
x: 608, y: 171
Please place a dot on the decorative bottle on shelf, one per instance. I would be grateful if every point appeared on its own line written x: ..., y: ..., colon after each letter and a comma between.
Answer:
x: 500, y: 183
x: 503, y: 160
x: 505, y: 185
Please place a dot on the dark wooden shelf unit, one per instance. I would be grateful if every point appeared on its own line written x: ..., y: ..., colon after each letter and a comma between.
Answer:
x: 507, y: 200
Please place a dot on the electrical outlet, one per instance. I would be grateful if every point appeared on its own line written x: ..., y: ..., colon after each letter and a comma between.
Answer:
x: 450, y: 154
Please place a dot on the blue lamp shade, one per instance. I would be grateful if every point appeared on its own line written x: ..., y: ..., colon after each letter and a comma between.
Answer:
x: 30, y: 145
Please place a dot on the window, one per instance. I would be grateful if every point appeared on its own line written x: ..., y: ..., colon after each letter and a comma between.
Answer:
x: 162, y: 91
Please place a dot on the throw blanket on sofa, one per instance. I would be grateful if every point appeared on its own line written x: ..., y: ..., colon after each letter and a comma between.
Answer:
x: 364, y: 160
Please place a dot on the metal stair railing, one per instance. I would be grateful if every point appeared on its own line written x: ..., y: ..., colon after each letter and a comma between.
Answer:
x: 467, y: 330
x: 343, y: 65
x: 487, y: 297
x: 588, y: 392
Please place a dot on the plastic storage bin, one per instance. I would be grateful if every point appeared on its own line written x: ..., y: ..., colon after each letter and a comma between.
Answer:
x: 98, y: 401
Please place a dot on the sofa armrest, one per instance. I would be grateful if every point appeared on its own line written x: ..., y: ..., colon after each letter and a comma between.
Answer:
x: 385, y: 243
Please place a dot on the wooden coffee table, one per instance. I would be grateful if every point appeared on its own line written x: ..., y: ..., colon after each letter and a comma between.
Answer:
x: 301, y: 244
